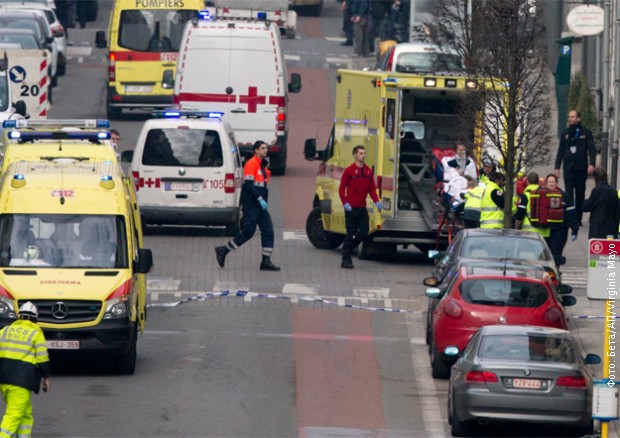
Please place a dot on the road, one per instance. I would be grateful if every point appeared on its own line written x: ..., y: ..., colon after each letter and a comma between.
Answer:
x: 314, y: 356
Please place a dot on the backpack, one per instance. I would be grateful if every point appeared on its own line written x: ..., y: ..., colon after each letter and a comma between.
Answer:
x: 546, y: 207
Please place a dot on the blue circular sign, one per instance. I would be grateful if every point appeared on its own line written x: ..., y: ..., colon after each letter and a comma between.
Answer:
x: 17, y: 73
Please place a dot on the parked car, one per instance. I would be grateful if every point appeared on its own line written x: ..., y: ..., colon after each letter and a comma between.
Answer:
x: 500, y: 293
x: 420, y: 57
x: 521, y: 374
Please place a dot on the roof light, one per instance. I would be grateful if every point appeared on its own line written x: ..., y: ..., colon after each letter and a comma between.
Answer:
x: 430, y: 82
x: 58, y: 135
x: 14, y: 135
x: 450, y: 83
x: 205, y: 15
x: 18, y: 181
x: 107, y: 182
x: 188, y: 113
x: 471, y: 84
x: 261, y: 16
x: 63, y: 123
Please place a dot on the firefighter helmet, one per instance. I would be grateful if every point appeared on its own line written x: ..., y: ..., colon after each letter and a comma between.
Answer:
x: 28, y: 309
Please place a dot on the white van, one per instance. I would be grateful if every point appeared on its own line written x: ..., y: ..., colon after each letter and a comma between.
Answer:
x: 187, y: 170
x: 238, y: 68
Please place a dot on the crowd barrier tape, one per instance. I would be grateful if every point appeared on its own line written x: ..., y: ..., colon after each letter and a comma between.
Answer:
x: 246, y: 294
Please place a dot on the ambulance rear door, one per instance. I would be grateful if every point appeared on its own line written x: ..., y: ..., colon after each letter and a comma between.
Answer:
x: 387, y: 182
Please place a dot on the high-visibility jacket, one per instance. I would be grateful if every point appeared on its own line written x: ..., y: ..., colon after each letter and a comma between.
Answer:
x: 491, y: 216
x: 484, y: 178
x: 527, y: 225
x: 255, y: 180
x: 23, y: 355
x: 473, y: 198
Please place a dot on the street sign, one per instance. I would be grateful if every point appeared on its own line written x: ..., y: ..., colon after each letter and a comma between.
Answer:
x: 604, y: 400
x: 603, y: 269
x: 586, y: 20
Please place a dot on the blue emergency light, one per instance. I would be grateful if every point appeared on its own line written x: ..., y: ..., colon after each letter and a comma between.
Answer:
x: 106, y: 178
x: 261, y: 16
x: 58, y: 135
x: 61, y: 123
x: 19, y: 176
x: 205, y: 15
x: 175, y: 114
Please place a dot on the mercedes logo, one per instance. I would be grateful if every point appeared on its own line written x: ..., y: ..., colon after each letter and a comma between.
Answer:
x: 527, y: 372
x: 60, y: 310
x: 181, y: 171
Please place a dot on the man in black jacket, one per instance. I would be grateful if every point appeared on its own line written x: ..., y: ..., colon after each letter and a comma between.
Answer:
x: 579, y: 155
x: 603, y: 207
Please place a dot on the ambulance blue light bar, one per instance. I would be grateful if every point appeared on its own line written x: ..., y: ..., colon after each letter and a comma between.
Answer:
x: 205, y: 15
x: 60, y: 123
x: 58, y: 135
x: 262, y: 16
x: 172, y: 114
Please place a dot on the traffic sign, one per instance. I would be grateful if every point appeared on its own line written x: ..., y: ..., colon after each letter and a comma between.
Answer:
x: 586, y: 20
x: 17, y: 73
x: 603, y: 269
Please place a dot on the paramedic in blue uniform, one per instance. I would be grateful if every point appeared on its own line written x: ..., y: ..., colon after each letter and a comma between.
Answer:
x: 577, y: 152
x: 559, y: 232
x: 254, y: 198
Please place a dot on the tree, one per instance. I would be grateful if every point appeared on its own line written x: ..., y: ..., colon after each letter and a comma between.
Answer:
x: 500, y: 42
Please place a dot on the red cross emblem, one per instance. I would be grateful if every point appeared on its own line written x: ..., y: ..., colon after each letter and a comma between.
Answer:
x: 151, y: 182
x: 252, y: 99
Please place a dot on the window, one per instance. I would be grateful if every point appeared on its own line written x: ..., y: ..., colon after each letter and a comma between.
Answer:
x: 504, y: 292
x: 535, y: 347
x: 63, y: 241
x: 153, y: 30
x: 183, y: 147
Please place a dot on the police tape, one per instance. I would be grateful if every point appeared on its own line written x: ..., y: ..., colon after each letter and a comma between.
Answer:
x: 249, y: 295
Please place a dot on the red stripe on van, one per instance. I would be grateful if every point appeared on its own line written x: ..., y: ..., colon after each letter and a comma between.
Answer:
x: 146, y: 56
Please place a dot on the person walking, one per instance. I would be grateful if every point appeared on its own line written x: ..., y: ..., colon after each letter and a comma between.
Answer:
x: 558, y: 233
x: 492, y: 203
x: 522, y: 217
x: 578, y: 153
x: 360, y: 12
x: 254, y: 203
x: 356, y: 183
x: 603, y: 207
x: 347, y: 23
x: 24, y: 361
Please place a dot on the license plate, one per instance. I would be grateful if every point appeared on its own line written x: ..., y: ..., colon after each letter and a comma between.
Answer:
x: 181, y: 187
x: 138, y: 89
x: 527, y: 383
x: 63, y: 345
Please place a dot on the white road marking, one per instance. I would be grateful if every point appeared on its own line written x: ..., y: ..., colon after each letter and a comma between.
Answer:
x: 162, y: 284
x: 292, y: 57
x: 73, y: 51
x: 300, y: 289
x: 339, y: 60
x: 336, y: 39
x: 294, y: 235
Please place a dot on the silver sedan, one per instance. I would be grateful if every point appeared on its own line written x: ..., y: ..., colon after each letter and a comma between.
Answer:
x: 521, y: 374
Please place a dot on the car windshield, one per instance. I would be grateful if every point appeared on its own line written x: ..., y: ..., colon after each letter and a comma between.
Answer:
x: 153, y: 30
x: 503, y: 292
x: 63, y: 241
x: 537, y: 348
x: 429, y: 61
x: 22, y: 22
x: 183, y: 147
x: 501, y: 247
x: 24, y: 41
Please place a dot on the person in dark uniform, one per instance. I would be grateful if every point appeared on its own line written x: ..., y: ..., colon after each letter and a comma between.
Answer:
x: 347, y: 24
x: 254, y: 198
x: 603, y: 207
x: 577, y: 152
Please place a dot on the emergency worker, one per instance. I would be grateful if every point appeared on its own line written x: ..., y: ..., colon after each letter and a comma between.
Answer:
x: 473, y: 198
x: 492, y: 203
x: 23, y: 363
x: 356, y: 183
x: 254, y: 198
x: 486, y: 170
x: 522, y: 218
x: 558, y: 233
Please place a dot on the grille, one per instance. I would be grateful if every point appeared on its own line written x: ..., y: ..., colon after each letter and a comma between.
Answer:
x: 75, y: 310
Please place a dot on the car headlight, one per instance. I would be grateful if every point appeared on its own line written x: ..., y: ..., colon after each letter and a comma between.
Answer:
x: 6, y: 308
x: 116, y: 308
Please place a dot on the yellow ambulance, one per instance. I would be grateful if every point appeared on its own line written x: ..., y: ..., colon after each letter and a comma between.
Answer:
x: 143, y: 46
x: 71, y: 243
x: 53, y: 139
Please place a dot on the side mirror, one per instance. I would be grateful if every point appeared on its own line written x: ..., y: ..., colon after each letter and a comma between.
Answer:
x: 568, y: 300
x: 560, y: 260
x: 100, y: 41
x: 430, y: 281
x: 310, y: 149
x: 145, y: 261
x: 592, y: 359
x: 58, y: 34
x: 295, y: 85
x: 127, y: 156
x: 433, y: 292
x: 167, y: 81
x: 433, y: 254
x: 564, y: 289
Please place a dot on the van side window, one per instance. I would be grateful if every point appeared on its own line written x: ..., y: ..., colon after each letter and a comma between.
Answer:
x: 183, y: 147
x: 153, y: 30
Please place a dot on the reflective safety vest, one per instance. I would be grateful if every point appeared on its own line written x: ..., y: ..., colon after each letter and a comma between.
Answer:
x: 491, y: 216
x: 473, y: 198
x: 527, y: 225
x: 484, y: 179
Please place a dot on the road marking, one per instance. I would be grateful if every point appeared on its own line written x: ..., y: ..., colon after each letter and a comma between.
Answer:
x: 339, y: 60
x: 431, y: 412
x: 377, y: 293
x: 575, y: 276
x: 162, y: 284
x: 73, y: 51
x: 294, y: 235
x: 292, y: 57
x: 336, y: 39
x: 296, y: 289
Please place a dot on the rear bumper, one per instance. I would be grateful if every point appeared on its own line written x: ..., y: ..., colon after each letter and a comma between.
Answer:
x: 116, y: 100
x: 189, y: 215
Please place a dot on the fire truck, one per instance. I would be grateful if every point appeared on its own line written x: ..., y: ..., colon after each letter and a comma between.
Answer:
x: 402, y: 120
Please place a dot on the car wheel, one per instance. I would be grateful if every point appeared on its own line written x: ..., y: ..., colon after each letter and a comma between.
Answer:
x: 127, y: 362
x: 290, y: 33
x: 317, y: 235
x: 440, y: 369
x: 460, y: 428
x: 429, y: 329
x: 113, y: 112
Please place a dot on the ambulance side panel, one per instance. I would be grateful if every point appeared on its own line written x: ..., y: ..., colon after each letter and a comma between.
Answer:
x: 246, y: 79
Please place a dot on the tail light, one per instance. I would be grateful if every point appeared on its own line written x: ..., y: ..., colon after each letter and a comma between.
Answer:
x: 136, y: 179
x: 453, y: 309
x: 481, y: 377
x: 59, y: 28
x: 554, y: 278
x: 281, y: 119
x: 553, y: 316
x: 575, y: 382
x: 229, y: 183
x: 112, y: 68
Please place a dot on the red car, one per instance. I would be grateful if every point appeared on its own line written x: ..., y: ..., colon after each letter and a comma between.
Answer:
x: 498, y: 293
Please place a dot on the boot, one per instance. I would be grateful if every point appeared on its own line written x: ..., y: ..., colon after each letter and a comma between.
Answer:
x: 267, y: 265
x: 220, y: 254
x: 347, y: 263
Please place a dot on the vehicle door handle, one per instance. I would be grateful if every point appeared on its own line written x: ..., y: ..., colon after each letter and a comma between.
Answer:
x: 238, y: 110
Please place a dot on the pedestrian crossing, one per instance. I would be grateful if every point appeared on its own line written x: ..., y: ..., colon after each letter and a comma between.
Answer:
x: 574, y: 276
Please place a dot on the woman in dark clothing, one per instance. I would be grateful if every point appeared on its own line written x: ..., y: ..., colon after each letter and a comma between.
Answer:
x: 559, y: 232
x: 603, y: 207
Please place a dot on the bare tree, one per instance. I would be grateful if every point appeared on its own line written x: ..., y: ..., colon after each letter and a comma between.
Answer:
x: 500, y: 41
